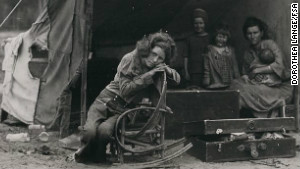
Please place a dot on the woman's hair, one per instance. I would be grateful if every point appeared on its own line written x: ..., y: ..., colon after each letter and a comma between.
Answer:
x: 221, y: 28
x: 253, y: 21
x: 160, y: 39
x: 143, y: 47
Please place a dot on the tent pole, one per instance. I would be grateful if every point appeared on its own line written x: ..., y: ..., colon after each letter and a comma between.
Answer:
x: 297, y: 107
x: 87, y: 46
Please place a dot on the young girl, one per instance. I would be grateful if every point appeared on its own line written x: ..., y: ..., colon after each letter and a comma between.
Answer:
x: 196, y: 47
x: 220, y: 65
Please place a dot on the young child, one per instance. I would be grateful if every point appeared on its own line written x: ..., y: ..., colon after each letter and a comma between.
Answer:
x: 266, y: 57
x: 220, y: 65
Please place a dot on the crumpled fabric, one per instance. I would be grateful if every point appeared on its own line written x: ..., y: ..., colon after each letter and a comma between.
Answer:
x: 19, y: 86
x: 11, y: 48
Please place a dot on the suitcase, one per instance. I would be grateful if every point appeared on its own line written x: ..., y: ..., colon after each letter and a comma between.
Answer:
x: 219, y: 151
x: 212, y: 139
x: 209, y: 117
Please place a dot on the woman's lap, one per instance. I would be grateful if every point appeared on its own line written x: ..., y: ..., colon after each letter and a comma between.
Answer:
x: 262, y: 98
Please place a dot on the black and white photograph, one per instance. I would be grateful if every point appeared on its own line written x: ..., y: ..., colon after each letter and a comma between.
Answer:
x: 149, y: 84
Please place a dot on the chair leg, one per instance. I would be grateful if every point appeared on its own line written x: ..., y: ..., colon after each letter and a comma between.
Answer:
x: 121, y: 155
x: 282, y: 109
x: 162, y: 134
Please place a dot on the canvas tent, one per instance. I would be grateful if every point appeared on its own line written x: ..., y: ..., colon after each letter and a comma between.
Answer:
x: 116, y: 25
x: 63, y: 28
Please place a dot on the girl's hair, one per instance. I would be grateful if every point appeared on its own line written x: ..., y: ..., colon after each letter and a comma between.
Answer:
x: 221, y: 28
x: 200, y: 13
x: 253, y: 21
x: 160, y: 39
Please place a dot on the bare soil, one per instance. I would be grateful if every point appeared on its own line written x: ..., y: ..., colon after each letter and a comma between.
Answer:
x: 35, y: 154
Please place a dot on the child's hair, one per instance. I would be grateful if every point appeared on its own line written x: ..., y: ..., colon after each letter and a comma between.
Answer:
x: 266, y: 56
x: 221, y: 28
x: 200, y: 13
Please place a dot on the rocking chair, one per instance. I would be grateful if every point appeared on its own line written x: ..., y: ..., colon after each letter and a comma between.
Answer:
x: 141, y: 130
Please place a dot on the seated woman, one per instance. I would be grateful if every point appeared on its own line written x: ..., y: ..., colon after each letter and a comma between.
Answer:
x: 262, y: 98
x: 133, y: 81
x: 220, y: 66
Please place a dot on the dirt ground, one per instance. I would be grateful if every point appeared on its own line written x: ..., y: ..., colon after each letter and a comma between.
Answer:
x: 35, y: 154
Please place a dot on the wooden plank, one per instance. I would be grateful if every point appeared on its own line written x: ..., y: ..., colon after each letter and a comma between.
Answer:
x: 227, y: 126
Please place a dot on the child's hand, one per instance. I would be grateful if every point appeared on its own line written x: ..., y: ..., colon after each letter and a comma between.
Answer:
x: 245, y: 78
x: 259, y: 77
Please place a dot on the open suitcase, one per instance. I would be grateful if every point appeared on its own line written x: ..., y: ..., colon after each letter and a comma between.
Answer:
x: 210, y: 118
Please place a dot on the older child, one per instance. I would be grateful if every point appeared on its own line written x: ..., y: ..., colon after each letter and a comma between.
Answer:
x: 220, y: 65
x: 196, y: 46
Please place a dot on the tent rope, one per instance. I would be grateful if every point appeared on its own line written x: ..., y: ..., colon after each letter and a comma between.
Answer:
x: 10, y: 13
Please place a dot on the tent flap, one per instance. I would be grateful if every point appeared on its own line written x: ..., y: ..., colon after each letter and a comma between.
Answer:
x: 65, y: 43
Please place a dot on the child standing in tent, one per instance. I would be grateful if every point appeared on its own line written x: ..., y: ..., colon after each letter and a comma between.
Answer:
x: 196, y: 46
x: 220, y: 65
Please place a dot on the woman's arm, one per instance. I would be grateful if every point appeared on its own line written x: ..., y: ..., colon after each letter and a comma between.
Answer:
x: 131, y: 85
x: 277, y: 66
x: 263, y: 69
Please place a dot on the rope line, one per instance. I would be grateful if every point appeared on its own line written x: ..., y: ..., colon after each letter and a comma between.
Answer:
x: 10, y: 13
